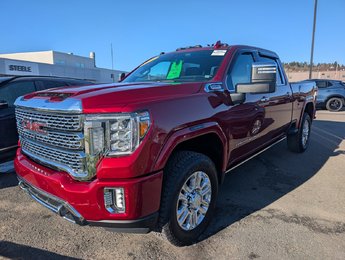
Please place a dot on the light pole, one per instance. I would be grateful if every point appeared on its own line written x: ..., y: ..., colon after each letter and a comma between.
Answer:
x: 312, y: 42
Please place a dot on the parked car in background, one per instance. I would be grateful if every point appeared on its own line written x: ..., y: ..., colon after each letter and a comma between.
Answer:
x: 331, y: 94
x: 10, y: 89
x: 150, y: 152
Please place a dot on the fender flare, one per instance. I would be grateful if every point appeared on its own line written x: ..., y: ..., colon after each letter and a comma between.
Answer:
x: 186, y: 134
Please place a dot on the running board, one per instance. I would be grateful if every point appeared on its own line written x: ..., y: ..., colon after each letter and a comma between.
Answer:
x: 251, y: 157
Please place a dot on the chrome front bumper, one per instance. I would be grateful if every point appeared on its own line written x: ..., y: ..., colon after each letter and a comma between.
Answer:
x: 55, y: 204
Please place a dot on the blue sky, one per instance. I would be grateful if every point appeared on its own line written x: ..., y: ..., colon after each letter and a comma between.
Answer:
x: 141, y: 29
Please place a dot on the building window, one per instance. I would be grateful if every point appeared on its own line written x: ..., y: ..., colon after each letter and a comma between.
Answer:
x: 80, y: 65
x: 60, y: 62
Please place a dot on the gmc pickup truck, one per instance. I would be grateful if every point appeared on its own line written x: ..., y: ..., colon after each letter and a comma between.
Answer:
x: 150, y: 152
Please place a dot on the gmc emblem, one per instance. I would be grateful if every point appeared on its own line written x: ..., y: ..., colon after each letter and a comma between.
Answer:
x: 34, y: 126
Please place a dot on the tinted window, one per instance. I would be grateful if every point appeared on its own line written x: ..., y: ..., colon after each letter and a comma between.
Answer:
x: 13, y: 90
x: 241, y: 71
x: 46, y: 84
x: 78, y: 82
x: 279, y: 75
x: 321, y: 84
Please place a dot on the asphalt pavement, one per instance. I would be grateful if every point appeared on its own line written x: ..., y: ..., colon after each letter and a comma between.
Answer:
x: 279, y: 205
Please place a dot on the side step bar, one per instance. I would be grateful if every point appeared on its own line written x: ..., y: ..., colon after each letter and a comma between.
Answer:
x: 251, y: 157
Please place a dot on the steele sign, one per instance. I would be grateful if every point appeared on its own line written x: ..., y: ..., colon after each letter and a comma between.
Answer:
x: 21, y: 68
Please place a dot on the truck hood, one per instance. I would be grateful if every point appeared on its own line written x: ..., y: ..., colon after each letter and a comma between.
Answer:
x: 109, y: 97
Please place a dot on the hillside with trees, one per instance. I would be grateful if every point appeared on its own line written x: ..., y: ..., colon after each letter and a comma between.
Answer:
x: 304, y: 66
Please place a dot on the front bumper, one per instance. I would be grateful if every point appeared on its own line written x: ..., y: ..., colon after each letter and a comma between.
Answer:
x: 83, y: 202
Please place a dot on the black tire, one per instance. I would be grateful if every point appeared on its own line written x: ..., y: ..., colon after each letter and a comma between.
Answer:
x: 334, y: 104
x: 295, y: 141
x: 178, y: 171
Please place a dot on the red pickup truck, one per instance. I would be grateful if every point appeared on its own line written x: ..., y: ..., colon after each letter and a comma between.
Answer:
x: 150, y: 152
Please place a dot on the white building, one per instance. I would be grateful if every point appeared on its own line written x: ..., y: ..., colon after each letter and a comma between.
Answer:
x: 53, y: 63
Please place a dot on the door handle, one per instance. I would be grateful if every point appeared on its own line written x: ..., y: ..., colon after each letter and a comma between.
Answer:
x: 264, y: 99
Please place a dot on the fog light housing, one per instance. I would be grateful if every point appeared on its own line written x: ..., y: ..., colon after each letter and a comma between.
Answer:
x: 114, y: 200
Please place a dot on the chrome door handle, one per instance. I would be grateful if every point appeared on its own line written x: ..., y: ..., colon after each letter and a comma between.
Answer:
x: 264, y: 99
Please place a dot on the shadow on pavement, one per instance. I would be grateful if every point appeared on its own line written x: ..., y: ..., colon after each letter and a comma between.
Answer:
x: 16, y: 251
x: 273, y: 174
x: 8, y: 180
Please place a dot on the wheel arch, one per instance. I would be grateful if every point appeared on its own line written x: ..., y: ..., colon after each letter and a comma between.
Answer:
x: 209, y: 140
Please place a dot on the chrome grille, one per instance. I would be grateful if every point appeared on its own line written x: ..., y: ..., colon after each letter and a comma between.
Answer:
x: 65, y: 122
x: 72, y: 141
x: 63, y: 160
x: 55, y: 140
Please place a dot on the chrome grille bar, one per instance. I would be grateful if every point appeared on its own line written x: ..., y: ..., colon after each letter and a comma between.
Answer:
x: 71, y: 162
x: 73, y: 141
x: 65, y: 122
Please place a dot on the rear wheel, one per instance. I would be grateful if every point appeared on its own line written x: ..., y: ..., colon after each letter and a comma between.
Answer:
x: 335, y: 104
x: 299, y: 142
x: 189, y: 197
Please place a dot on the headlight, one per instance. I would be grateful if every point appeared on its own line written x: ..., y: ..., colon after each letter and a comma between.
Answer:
x: 115, y: 134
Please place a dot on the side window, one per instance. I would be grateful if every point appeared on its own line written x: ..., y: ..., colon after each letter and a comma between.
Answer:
x: 46, y: 84
x: 330, y: 84
x: 241, y: 71
x: 321, y: 84
x: 279, y: 73
x: 13, y: 90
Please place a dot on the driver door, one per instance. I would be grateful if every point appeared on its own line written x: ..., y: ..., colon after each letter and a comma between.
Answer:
x: 248, y: 123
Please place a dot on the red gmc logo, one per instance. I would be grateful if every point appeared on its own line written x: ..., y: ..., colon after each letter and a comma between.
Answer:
x: 34, y: 126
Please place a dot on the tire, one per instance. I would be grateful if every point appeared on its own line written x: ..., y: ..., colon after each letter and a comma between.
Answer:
x: 334, y: 104
x: 299, y: 142
x: 181, y: 170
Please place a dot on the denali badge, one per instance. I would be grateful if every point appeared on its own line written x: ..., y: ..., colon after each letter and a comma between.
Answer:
x: 34, y: 126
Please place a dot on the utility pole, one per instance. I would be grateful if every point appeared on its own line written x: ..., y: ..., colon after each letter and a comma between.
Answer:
x: 112, y: 61
x: 112, y: 56
x: 312, y: 41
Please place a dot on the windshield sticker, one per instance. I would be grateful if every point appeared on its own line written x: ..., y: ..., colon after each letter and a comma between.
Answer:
x: 218, y: 53
x: 175, y: 70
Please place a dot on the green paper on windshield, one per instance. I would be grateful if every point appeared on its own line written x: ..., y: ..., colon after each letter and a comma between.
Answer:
x: 175, y: 70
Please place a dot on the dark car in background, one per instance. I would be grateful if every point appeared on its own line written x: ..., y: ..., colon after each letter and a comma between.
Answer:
x: 331, y: 94
x: 10, y: 89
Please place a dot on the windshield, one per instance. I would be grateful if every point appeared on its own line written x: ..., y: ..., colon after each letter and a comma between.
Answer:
x: 194, y: 66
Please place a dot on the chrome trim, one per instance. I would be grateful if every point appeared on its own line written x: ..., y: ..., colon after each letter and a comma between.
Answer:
x: 214, y: 87
x: 83, y: 176
x: 71, y: 141
x: 52, y: 120
x: 69, y: 105
x: 55, y: 204
x: 251, y: 157
x: 8, y: 148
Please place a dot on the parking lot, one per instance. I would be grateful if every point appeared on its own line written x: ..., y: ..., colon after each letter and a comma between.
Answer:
x: 278, y: 205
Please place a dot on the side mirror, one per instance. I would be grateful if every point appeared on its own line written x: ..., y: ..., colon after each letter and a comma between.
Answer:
x: 122, y: 76
x: 263, y: 79
x: 3, y: 104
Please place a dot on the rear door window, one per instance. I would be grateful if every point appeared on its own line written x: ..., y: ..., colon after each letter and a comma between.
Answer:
x: 321, y: 84
x: 279, y: 72
x: 10, y: 92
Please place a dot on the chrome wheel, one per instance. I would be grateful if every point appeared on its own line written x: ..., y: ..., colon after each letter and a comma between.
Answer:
x: 193, y: 201
x: 305, y: 133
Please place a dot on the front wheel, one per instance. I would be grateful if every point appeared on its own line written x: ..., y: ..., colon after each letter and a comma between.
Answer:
x: 189, y: 197
x: 334, y: 104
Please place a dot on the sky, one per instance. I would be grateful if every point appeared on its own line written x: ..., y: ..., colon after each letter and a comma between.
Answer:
x: 140, y: 29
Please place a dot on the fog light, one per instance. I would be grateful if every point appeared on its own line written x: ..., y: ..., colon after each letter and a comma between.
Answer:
x: 114, y: 200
